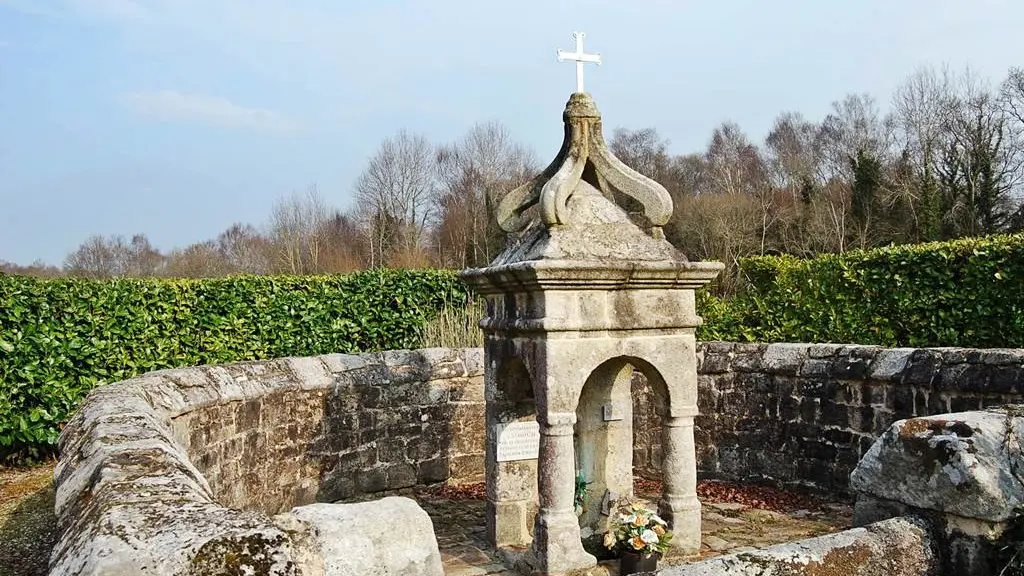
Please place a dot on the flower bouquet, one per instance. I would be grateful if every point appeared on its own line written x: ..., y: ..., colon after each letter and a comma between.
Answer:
x: 639, y: 535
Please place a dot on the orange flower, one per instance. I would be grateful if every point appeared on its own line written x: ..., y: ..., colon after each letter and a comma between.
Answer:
x: 637, y: 543
x: 639, y: 520
x: 658, y: 529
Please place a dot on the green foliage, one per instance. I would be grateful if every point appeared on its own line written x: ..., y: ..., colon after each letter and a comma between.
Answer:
x: 867, y: 184
x: 61, y: 338
x: 967, y: 292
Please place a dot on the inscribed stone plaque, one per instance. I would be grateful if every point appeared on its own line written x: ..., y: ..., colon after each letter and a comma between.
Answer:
x: 518, y: 441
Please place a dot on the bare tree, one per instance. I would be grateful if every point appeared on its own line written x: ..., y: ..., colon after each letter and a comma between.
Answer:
x: 200, y: 260
x: 1012, y: 94
x: 718, y: 227
x: 855, y: 124
x: 642, y: 150
x: 734, y: 164
x: 792, y: 153
x: 920, y: 106
x: 982, y: 160
x: 297, y: 228
x: 141, y: 259
x: 474, y: 174
x: 37, y: 269
x: 395, y: 197
x: 244, y: 250
x: 345, y: 247
x: 735, y: 167
x: 114, y: 257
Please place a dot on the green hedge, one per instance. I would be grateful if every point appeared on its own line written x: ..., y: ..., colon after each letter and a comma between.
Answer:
x: 61, y: 338
x: 967, y: 292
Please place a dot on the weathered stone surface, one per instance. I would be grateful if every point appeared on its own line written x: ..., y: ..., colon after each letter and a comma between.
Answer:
x: 897, y: 547
x: 553, y: 190
x: 388, y: 537
x: 174, y: 472
x: 760, y: 420
x: 963, y: 464
x: 332, y: 424
x: 586, y: 291
x: 784, y: 358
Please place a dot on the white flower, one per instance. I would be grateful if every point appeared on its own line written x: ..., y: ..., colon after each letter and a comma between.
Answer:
x: 627, y: 518
x: 649, y: 536
x: 658, y: 519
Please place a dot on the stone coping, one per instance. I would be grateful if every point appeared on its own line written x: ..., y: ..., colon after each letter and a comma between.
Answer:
x: 895, y: 547
x: 129, y: 500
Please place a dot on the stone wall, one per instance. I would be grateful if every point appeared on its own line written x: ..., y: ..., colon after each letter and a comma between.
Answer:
x: 384, y: 423
x: 189, y: 464
x: 179, y: 471
x: 805, y: 414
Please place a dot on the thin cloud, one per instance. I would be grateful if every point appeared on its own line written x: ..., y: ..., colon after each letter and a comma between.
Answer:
x: 171, y: 106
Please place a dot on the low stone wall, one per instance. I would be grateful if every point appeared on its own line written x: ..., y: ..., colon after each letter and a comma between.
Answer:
x: 334, y: 427
x: 178, y: 471
x: 189, y: 464
x: 806, y: 413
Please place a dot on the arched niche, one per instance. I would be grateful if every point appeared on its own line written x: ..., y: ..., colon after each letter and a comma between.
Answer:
x: 604, y: 435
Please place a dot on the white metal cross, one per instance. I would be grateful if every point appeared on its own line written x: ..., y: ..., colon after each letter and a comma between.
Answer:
x: 580, y: 57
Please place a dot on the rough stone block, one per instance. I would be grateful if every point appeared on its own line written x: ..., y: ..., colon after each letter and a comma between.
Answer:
x: 849, y: 367
x: 747, y: 359
x: 922, y: 367
x: 360, y: 539
x: 815, y: 368
x: 961, y: 464
x: 433, y: 471
x: 889, y: 364
x: 784, y: 358
x: 1006, y: 379
x: 715, y: 363
x: 509, y: 523
x: 474, y: 361
x: 1003, y: 356
x: 897, y: 547
x: 823, y: 350
x: 373, y: 480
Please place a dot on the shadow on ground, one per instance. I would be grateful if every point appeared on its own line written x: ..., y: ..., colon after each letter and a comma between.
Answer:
x: 28, y: 527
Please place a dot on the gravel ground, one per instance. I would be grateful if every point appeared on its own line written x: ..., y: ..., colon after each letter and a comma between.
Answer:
x: 27, y: 525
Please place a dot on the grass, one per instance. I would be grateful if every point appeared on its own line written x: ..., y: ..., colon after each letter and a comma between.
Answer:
x: 456, y: 326
x: 28, y: 527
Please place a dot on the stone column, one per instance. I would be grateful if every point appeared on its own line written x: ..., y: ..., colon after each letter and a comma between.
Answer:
x: 556, y: 537
x: 679, y: 505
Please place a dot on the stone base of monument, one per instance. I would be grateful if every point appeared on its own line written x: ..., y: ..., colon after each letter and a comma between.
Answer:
x: 523, y: 561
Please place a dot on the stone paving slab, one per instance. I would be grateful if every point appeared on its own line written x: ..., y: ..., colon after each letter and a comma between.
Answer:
x: 725, y: 529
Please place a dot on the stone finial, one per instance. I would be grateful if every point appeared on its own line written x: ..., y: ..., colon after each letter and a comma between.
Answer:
x: 585, y: 157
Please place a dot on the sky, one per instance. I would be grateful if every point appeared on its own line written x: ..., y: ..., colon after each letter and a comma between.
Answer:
x: 177, y: 118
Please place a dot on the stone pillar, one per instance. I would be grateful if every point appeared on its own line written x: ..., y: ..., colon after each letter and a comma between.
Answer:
x: 556, y: 536
x: 679, y: 505
x: 511, y: 496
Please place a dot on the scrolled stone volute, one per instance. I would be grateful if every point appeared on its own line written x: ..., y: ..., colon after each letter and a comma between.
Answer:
x: 585, y: 157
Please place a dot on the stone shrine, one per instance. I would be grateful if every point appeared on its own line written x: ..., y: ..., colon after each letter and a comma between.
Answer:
x: 587, y: 291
